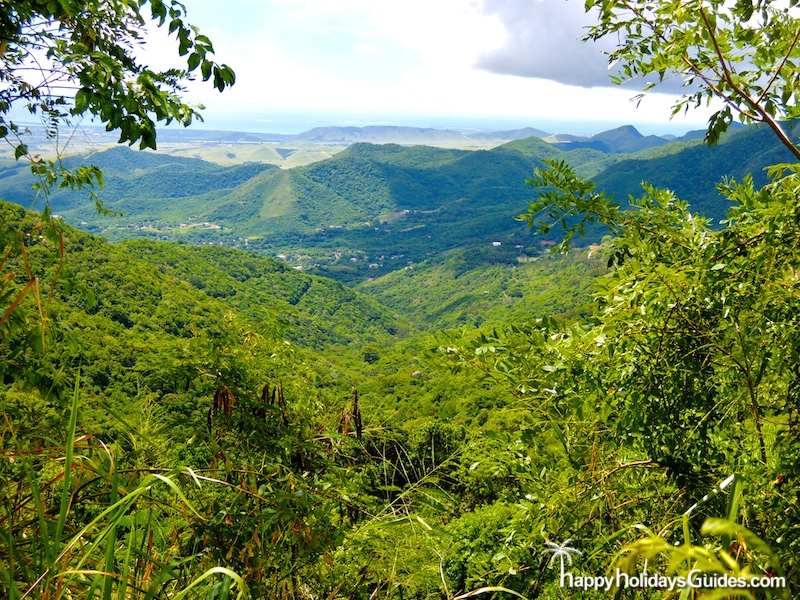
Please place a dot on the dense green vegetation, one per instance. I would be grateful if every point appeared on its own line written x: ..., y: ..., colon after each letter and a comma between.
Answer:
x: 156, y: 181
x: 159, y: 332
x: 200, y: 421
x: 373, y: 209
x: 463, y: 287
x: 465, y: 472
x: 689, y: 172
x: 167, y: 341
x: 306, y: 309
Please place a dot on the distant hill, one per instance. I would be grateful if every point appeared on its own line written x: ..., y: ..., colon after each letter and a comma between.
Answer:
x: 693, y: 172
x: 135, y: 182
x: 627, y: 139
x: 377, y: 134
x: 620, y: 140
x: 534, y: 147
x: 565, y: 137
x: 372, y: 209
x: 586, y: 161
x: 392, y: 134
x: 190, y: 135
x: 510, y: 134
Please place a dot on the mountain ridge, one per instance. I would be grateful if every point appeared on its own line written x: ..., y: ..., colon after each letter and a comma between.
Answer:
x: 374, y: 208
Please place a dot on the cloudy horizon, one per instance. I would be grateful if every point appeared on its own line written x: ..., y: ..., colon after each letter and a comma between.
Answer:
x: 460, y: 64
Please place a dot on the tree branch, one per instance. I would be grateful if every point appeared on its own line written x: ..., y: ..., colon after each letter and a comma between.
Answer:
x: 765, y: 116
x: 780, y: 67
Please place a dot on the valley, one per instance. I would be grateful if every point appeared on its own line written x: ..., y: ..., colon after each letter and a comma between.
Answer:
x: 376, y: 208
x: 438, y: 323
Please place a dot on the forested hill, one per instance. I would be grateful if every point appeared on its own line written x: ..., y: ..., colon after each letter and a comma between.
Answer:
x: 309, y: 310
x: 693, y: 171
x: 138, y: 289
x: 472, y: 287
x: 136, y: 183
x: 373, y: 209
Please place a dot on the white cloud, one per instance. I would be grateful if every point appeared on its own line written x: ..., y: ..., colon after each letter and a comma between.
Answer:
x: 544, y: 41
x: 502, y: 58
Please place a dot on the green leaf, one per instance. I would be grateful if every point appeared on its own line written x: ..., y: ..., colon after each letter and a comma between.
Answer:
x: 178, y: 492
x: 194, y: 61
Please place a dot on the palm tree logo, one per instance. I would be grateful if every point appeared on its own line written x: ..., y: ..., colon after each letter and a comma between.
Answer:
x: 564, y: 552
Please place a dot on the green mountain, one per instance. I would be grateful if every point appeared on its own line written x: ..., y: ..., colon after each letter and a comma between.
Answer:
x: 509, y: 134
x: 620, y: 140
x: 472, y: 287
x: 615, y: 141
x: 624, y: 139
x: 373, y: 209
x: 694, y: 170
x: 309, y: 310
x: 135, y: 182
x: 361, y: 208
x: 124, y: 285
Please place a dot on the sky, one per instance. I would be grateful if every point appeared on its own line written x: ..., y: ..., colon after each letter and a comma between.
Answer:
x: 481, y: 64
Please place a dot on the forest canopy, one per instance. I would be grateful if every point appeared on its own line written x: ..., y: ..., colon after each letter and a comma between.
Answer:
x: 205, y: 422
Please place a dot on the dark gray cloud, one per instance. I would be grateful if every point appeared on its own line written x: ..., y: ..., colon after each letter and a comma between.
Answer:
x: 544, y: 41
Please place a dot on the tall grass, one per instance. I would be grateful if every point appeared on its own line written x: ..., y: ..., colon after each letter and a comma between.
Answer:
x: 73, y: 525
x: 725, y: 547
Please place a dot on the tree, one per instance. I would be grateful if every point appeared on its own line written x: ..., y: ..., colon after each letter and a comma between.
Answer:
x: 743, y: 54
x: 693, y: 350
x: 69, y: 59
x: 75, y: 58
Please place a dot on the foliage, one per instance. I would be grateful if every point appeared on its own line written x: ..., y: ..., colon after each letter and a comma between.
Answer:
x: 238, y: 416
x: 155, y: 352
x: 468, y: 287
x: 89, y: 48
x: 122, y: 539
x: 742, y: 54
x: 693, y: 172
x: 68, y: 59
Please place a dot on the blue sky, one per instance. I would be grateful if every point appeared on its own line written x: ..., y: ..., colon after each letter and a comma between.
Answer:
x: 460, y: 63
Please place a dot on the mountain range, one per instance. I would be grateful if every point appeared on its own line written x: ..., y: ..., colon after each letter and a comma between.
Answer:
x: 372, y: 209
x: 390, y: 134
x: 622, y: 139
x: 619, y: 140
